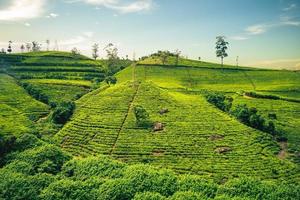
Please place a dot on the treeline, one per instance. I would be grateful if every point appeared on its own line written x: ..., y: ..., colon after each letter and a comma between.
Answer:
x: 270, y: 96
x: 37, y: 170
x: 248, y: 116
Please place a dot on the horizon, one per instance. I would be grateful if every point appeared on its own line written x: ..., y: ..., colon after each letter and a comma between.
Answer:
x: 262, y: 33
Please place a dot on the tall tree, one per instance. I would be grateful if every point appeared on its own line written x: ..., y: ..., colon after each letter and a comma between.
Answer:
x: 22, y: 48
x: 28, y: 46
x: 95, y: 50
x: 48, y: 44
x: 164, y: 57
x: 9, y: 49
x: 112, y: 55
x: 221, y: 48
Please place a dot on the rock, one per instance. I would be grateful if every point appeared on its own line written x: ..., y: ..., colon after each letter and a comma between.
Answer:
x: 216, y: 137
x: 158, y: 127
x: 222, y: 149
x: 163, y: 111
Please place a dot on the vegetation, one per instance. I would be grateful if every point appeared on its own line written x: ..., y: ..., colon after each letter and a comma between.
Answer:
x: 93, y: 140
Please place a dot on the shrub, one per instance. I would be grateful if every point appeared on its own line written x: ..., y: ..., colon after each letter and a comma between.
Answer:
x: 142, y: 117
x: 35, y: 93
x: 145, y: 178
x: 15, y: 186
x: 47, y: 158
x: 93, y: 166
x: 110, y: 80
x: 197, y: 184
x: 7, y: 142
x: 188, y: 195
x: 149, y: 196
x: 27, y: 141
x: 70, y: 190
x: 220, y: 101
x: 63, y: 112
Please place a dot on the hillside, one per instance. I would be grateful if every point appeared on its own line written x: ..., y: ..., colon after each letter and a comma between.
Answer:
x: 195, y: 131
x: 201, y: 152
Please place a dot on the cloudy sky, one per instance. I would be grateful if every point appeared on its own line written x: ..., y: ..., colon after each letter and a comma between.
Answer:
x: 260, y: 32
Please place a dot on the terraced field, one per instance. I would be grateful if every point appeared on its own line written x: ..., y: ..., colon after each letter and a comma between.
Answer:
x: 17, y: 108
x: 195, y: 134
x: 287, y: 118
x: 61, y: 76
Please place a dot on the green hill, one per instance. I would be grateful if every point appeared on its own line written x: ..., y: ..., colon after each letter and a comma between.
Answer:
x: 197, y: 137
x: 208, y: 152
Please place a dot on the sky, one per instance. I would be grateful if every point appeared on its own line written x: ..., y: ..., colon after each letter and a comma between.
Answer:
x: 262, y: 33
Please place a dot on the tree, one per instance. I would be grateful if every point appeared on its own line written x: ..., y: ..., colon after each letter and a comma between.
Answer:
x: 177, y: 55
x: 221, y: 47
x: 164, y: 56
x: 3, y: 51
x: 48, y: 44
x: 22, y: 48
x: 36, y: 46
x: 142, y: 117
x: 9, y: 49
x: 112, y: 55
x: 75, y: 52
x: 111, y: 80
x: 95, y: 50
x: 28, y: 46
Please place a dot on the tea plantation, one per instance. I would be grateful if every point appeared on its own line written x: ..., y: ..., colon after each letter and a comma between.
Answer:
x: 180, y: 145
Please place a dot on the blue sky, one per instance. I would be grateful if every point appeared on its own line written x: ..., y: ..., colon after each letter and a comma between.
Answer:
x: 260, y: 32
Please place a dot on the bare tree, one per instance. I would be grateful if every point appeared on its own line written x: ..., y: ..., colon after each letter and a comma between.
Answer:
x: 36, y: 46
x: 28, y: 46
x: 221, y: 48
x: 95, y: 50
x: 48, y: 44
x: 75, y: 52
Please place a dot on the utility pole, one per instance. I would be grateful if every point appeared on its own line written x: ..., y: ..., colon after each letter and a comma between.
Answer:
x: 237, y: 61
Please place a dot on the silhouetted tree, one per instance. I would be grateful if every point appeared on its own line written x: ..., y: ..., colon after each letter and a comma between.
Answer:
x: 221, y: 47
x: 36, y: 46
x: 22, y: 48
x: 9, y: 49
x: 95, y: 50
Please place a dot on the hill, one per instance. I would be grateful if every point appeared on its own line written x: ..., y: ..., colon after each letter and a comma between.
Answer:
x: 209, y: 152
x: 197, y: 138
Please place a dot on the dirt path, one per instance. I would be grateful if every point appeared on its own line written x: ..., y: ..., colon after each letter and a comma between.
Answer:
x: 283, y: 152
x: 125, y: 117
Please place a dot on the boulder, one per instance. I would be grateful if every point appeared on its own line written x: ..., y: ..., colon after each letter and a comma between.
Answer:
x: 163, y: 111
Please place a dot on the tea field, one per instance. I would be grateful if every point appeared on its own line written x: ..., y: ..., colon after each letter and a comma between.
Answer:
x: 197, y: 137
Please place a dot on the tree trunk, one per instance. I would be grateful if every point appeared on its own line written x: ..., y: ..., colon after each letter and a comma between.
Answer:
x: 222, y: 61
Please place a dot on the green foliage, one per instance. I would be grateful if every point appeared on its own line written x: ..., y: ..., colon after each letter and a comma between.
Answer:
x: 220, y: 101
x: 187, y: 195
x: 142, y: 117
x: 71, y: 190
x: 15, y: 186
x: 43, y: 159
x: 63, y: 112
x: 110, y: 80
x: 35, y: 93
x: 149, y: 196
x: 82, y: 169
x: 7, y: 142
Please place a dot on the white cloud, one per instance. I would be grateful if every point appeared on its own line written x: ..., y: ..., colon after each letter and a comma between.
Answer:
x: 290, y: 21
x: 257, y: 29
x: 120, y: 5
x: 52, y: 15
x: 88, y: 34
x: 27, y: 24
x: 19, y: 10
x: 290, y: 7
